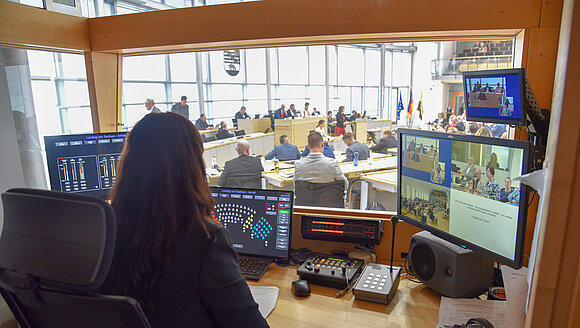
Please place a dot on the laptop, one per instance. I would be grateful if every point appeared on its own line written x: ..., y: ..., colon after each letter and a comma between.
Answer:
x: 259, y: 222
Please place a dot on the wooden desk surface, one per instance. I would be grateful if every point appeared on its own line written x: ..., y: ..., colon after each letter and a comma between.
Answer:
x: 388, y: 178
x: 414, y: 305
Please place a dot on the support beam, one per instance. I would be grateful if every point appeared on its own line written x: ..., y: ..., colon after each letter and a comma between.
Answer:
x: 104, y: 80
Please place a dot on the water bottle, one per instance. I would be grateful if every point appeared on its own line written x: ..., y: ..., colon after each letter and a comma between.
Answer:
x: 276, y: 166
x: 214, y: 163
x: 355, y: 162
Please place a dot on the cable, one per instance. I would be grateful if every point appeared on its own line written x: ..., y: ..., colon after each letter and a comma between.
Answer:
x: 532, y: 199
x: 409, y: 273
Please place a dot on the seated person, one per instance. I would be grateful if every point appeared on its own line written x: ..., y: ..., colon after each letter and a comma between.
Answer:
x: 436, y: 176
x: 478, y: 182
x: 201, y: 123
x: 353, y: 146
x: 187, y: 277
x: 493, y: 161
x: 316, y: 167
x: 322, y: 130
x: 244, y: 171
x: 469, y: 171
x: 328, y: 152
x: 469, y: 187
x: 386, y: 142
x: 242, y: 115
x: 330, y: 120
x: 491, y: 187
x: 504, y: 193
x: 292, y: 112
x: 223, y: 132
x: 285, y: 151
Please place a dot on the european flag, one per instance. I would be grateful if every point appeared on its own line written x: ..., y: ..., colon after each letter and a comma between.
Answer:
x: 400, y: 107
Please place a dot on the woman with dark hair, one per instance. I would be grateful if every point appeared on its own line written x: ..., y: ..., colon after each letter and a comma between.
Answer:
x: 340, y: 120
x: 170, y: 255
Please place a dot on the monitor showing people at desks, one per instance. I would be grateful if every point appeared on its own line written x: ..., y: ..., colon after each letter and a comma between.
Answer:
x: 84, y: 163
x: 485, y: 212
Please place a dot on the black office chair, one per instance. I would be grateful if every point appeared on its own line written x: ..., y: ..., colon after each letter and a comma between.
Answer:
x: 240, y: 133
x: 55, y: 253
x: 329, y: 194
x: 244, y: 181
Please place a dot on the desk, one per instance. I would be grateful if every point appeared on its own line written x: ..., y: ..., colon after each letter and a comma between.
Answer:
x: 394, y: 150
x: 254, y: 125
x: 414, y: 305
x: 225, y: 149
x: 383, y: 180
x: 297, y: 130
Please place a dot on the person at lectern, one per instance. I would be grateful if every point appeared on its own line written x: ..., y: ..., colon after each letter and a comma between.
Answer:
x: 241, y: 114
x: 169, y: 254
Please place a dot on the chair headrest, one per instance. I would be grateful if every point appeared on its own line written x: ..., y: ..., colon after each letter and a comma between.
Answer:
x: 64, y: 240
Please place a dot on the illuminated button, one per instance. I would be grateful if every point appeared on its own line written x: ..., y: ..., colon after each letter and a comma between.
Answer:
x: 383, y: 280
x: 322, y: 260
x: 374, y: 282
x: 378, y: 275
x: 373, y: 287
x: 381, y: 284
x: 318, y: 265
x: 371, y: 274
x: 365, y: 286
x: 376, y: 279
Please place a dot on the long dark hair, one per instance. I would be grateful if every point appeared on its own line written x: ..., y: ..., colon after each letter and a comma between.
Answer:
x: 160, y: 194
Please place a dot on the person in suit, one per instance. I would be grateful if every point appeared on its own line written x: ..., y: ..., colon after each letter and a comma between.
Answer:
x: 340, y: 120
x: 223, y: 132
x: 279, y: 114
x: 181, y: 108
x: 284, y: 151
x: 201, y: 123
x: 469, y: 171
x: 292, y: 112
x: 150, y: 105
x: 187, y: 276
x: 244, y: 171
x: 478, y: 181
x: 328, y: 152
x: 386, y: 142
x: 316, y: 167
x: 353, y: 146
x: 242, y: 115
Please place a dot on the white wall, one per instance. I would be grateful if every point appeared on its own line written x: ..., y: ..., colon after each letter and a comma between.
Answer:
x: 433, y: 91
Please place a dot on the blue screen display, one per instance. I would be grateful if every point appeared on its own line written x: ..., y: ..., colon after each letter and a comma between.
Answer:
x: 494, y: 97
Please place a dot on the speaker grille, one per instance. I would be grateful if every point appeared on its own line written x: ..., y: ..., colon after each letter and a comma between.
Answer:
x: 422, y: 261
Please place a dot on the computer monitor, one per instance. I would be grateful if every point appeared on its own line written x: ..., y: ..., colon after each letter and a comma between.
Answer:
x: 495, y: 96
x: 84, y: 163
x: 259, y: 221
x: 471, y: 206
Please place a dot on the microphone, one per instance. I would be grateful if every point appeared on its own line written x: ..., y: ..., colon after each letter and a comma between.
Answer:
x: 394, y: 221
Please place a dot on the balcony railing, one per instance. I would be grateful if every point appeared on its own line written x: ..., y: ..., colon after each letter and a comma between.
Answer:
x: 448, y: 69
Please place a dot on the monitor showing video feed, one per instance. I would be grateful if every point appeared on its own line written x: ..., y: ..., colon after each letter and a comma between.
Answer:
x: 259, y: 221
x: 462, y: 189
x: 495, y: 96
x: 84, y: 163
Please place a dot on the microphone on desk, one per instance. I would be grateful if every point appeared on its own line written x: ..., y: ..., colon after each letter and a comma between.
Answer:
x: 394, y: 221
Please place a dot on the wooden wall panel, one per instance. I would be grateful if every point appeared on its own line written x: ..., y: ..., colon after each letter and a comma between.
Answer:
x: 25, y: 25
x: 104, y: 81
x: 321, y: 19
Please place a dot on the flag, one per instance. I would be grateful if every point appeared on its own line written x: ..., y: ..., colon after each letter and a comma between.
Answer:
x: 410, y: 108
x: 401, y: 107
x: 420, y: 107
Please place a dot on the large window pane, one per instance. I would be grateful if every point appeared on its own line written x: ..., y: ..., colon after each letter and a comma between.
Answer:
x: 256, y: 92
x: 224, y: 111
x: 73, y: 66
x: 80, y: 120
x: 254, y: 107
x: 144, y: 68
x: 371, y: 101
x: 256, y: 65
x: 350, y: 66
x: 133, y: 113
x: 317, y: 64
x: 188, y: 90
x: 182, y: 67
x: 293, y: 65
x: 356, y: 99
x: 292, y: 93
x: 77, y: 93
x: 46, y: 107
x: 317, y: 98
x: 332, y: 65
x: 226, y: 92
x: 41, y: 63
x: 372, y: 67
x: 401, y: 69
x: 136, y: 93
x: 218, y: 71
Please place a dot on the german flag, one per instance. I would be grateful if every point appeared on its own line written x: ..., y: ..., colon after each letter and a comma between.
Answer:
x: 410, y: 108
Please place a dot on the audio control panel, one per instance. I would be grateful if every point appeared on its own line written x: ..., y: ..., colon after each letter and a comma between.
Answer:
x: 330, y: 270
x: 360, y: 231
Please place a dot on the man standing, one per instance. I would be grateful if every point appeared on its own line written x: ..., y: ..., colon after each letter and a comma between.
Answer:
x: 316, y: 167
x: 353, y: 146
x: 150, y: 105
x: 241, y: 115
x: 201, y: 123
x: 245, y: 171
x: 284, y: 151
x: 181, y: 108
x: 386, y: 142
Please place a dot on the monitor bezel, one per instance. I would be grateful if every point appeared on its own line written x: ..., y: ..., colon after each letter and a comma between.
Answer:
x: 494, y: 73
x: 50, y: 166
x: 523, y: 205
x: 285, y: 259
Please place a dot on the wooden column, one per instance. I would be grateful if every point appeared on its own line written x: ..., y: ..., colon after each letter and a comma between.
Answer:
x: 104, y: 77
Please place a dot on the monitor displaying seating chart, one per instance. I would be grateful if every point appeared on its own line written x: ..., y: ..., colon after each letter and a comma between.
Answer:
x: 259, y: 221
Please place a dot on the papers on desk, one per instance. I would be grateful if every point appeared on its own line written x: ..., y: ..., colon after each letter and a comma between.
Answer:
x: 210, y: 171
x: 456, y: 311
x: 266, y: 297
x: 287, y: 174
x: 516, y: 289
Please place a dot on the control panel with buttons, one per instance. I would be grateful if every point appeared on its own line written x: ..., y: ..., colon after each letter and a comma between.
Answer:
x: 377, y: 284
x: 330, y: 270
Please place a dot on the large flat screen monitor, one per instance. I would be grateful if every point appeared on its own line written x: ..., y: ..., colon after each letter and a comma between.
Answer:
x: 259, y: 221
x: 495, y: 96
x: 84, y: 163
x: 462, y: 189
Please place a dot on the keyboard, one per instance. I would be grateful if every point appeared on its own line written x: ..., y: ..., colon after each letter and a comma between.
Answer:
x: 253, y: 268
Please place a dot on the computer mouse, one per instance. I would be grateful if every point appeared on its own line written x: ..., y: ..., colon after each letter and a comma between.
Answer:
x: 300, y: 288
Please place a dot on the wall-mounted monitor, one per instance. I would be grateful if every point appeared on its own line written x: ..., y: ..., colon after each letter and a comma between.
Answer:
x: 461, y: 188
x: 495, y: 96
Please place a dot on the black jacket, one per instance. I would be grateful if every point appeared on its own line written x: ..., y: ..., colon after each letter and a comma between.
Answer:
x: 223, y: 134
x: 384, y: 143
x: 340, y: 119
x: 240, y: 116
x: 202, y: 285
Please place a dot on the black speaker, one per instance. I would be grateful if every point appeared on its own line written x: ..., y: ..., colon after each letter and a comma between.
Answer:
x: 448, y: 269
